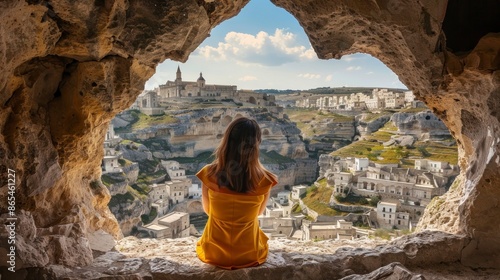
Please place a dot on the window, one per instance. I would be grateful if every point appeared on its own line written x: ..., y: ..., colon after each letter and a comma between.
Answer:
x: 383, y: 209
x: 390, y: 209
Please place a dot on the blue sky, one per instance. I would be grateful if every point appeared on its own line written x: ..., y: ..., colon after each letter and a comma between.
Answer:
x: 265, y: 47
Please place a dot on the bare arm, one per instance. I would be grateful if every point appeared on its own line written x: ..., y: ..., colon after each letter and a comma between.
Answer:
x: 204, y: 199
x: 263, y: 205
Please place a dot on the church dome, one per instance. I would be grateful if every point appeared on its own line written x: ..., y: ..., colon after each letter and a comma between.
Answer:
x: 201, y: 78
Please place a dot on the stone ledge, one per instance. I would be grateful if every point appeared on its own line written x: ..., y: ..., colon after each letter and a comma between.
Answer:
x: 412, y: 257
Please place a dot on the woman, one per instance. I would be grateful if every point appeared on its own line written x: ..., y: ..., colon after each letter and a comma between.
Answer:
x: 235, y: 190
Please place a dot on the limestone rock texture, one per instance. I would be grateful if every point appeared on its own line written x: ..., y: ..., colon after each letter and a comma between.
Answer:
x: 67, y: 67
x: 409, y: 257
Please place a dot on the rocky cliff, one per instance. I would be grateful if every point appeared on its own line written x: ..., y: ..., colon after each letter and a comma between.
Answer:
x: 367, y: 123
x: 67, y: 67
x: 422, y: 125
x: 200, y: 130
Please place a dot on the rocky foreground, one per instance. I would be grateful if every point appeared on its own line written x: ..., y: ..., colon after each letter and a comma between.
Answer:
x: 425, y: 255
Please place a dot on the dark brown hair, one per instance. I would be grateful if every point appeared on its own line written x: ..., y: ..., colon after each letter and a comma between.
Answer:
x: 236, y: 165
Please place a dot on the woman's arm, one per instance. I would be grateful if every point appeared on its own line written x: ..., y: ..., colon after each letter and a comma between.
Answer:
x: 204, y: 199
x: 264, y: 203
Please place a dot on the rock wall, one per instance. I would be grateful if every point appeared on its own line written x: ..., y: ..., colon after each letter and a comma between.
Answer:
x: 200, y: 131
x: 422, y: 125
x: 66, y: 68
x: 366, y: 126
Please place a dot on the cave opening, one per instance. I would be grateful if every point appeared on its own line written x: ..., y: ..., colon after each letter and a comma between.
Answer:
x: 68, y: 68
x: 212, y: 50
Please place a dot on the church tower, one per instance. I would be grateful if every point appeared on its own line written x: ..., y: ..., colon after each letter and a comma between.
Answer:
x: 201, y: 81
x: 178, y: 82
x: 178, y: 75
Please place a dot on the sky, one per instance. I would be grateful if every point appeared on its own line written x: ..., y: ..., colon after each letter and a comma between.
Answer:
x: 264, y: 47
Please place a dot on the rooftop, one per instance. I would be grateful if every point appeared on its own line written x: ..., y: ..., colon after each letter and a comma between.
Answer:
x: 172, y: 217
x: 156, y: 227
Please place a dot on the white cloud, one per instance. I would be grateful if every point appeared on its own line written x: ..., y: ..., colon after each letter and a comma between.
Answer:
x: 369, y: 73
x: 353, y: 68
x: 264, y: 49
x: 309, y: 76
x: 329, y: 78
x: 248, y: 78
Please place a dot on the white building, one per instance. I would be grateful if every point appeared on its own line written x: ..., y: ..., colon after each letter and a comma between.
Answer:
x: 178, y: 190
x: 298, y: 191
x: 195, y: 191
x: 375, y: 103
x: 180, y: 88
x: 328, y: 230
x: 173, y: 225
x: 431, y: 165
x: 409, y: 96
x: 361, y: 164
x: 110, y: 162
x: 283, y: 197
x: 173, y: 169
x: 395, y: 102
x: 160, y: 198
x: 389, y: 217
x: 161, y: 206
x: 147, y: 102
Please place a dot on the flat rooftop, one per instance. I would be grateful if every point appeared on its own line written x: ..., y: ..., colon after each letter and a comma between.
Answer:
x: 156, y: 227
x: 323, y: 227
x: 172, y: 217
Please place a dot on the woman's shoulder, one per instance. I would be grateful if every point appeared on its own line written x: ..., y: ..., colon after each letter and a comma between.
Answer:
x: 267, y: 181
x: 206, y: 176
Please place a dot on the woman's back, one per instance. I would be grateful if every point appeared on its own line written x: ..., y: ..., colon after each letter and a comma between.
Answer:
x: 232, y: 237
x: 235, y: 189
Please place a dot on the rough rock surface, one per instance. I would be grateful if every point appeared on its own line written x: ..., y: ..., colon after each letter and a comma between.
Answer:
x: 403, y: 258
x: 366, y: 126
x: 67, y: 67
x: 421, y: 125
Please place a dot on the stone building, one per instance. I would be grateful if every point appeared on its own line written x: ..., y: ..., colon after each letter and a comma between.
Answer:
x: 173, y: 169
x: 178, y: 190
x: 283, y: 197
x: 256, y: 98
x: 173, y: 225
x: 426, y: 180
x: 388, y: 216
x: 195, y: 191
x: 180, y: 88
x: 298, y: 192
x: 147, y: 103
x: 328, y: 230
x: 110, y: 162
x: 276, y: 221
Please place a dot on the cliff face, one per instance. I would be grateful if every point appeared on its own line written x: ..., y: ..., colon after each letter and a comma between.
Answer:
x: 200, y: 130
x: 423, y: 125
x: 66, y: 68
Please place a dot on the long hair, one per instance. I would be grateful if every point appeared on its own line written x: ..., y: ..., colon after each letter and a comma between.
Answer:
x: 236, y: 164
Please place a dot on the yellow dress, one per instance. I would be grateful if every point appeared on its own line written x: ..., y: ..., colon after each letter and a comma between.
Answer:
x: 232, y: 238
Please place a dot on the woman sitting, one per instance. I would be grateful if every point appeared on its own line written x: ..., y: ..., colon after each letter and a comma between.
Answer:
x: 235, y: 190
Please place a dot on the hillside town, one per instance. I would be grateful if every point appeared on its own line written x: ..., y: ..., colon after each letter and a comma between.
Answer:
x: 378, y: 99
x: 366, y: 195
